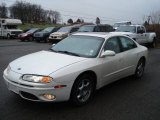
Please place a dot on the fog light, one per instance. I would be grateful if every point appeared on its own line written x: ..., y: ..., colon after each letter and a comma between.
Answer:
x: 49, y: 96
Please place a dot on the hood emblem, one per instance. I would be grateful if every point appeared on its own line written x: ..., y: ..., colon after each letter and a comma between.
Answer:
x: 19, y: 69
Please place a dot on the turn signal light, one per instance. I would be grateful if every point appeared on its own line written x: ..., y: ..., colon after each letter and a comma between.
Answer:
x: 59, y: 86
x: 46, y: 79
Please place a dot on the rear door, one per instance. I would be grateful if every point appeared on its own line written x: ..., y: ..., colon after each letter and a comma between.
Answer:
x: 141, y: 35
x: 130, y: 55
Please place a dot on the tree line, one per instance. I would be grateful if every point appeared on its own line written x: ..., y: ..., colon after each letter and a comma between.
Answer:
x: 29, y: 13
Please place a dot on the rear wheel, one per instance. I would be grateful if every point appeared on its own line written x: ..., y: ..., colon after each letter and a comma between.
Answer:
x: 82, y: 90
x: 140, y: 68
x: 8, y: 36
x: 153, y: 44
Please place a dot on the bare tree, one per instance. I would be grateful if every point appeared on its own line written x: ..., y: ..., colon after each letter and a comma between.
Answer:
x: 3, y: 10
x: 70, y: 21
x: 154, y: 17
x: 32, y: 13
x: 98, y: 20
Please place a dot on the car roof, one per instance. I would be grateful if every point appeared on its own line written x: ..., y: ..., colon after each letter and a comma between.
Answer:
x: 98, y: 25
x: 132, y: 25
x: 99, y: 34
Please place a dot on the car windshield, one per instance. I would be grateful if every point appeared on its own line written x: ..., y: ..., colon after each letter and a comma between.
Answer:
x: 64, y: 29
x: 32, y: 30
x: 49, y: 29
x: 120, y: 24
x: 86, y: 29
x: 126, y: 29
x: 83, y: 46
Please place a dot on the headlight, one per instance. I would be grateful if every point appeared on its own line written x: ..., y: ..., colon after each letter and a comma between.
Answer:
x: 24, y: 35
x: 8, y: 69
x: 37, y: 78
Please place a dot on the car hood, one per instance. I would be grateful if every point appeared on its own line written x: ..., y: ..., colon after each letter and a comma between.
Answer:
x: 43, y: 63
x: 60, y: 33
x: 24, y: 34
x: 15, y: 30
x: 41, y: 33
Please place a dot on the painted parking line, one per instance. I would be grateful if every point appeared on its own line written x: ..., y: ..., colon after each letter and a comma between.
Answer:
x: 15, y: 45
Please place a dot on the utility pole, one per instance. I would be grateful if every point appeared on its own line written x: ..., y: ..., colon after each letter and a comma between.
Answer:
x: 149, y: 18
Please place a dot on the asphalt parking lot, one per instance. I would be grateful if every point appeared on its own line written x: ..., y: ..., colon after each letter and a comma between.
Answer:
x: 126, y: 99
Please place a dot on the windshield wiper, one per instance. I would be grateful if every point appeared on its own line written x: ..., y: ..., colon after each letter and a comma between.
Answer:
x: 69, y: 53
x: 52, y: 50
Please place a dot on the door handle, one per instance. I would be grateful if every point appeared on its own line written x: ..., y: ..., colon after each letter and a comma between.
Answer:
x: 120, y: 60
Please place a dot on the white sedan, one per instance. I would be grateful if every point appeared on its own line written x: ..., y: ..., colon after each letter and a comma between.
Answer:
x: 75, y: 67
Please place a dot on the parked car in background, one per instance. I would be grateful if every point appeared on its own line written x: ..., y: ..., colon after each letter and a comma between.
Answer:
x: 27, y: 29
x: 75, y: 67
x: 118, y: 24
x: 29, y: 34
x: 138, y: 33
x: 96, y: 28
x: 44, y: 34
x: 63, y: 33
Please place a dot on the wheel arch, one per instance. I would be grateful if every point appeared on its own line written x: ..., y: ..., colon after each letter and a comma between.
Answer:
x: 89, y: 72
x: 143, y: 58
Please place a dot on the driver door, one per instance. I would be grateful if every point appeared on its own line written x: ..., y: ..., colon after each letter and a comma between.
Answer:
x: 112, y: 65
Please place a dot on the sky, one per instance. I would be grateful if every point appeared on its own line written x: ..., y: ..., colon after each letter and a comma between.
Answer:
x: 109, y: 11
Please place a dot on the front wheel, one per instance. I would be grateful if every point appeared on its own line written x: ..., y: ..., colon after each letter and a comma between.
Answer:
x: 140, y: 68
x: 82, y: 90
x: 30, y: 38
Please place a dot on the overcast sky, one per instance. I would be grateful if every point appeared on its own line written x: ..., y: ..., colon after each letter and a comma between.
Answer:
x: 109, y: 11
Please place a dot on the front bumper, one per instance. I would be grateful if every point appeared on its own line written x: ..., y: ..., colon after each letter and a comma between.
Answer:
x: 36, y: 93
x: 14, y: 35
x: 23, y: 37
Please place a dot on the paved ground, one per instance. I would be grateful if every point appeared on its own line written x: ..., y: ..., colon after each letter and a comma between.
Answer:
x: 126, y: 99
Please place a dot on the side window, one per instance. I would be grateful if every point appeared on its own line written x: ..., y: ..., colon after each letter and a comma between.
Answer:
x: 127, y: 43
x: 113, y: 44
x: 138, y: 29
x: 96, y: 29
x: 143, y: 30
x: 102, y: 28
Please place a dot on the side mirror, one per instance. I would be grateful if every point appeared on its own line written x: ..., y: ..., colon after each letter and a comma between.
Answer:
x: 53, y: 45
x: 140, y: 31
x: 108, y: 53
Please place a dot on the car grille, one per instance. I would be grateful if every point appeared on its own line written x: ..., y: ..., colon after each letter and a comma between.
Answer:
x: 37, y: 35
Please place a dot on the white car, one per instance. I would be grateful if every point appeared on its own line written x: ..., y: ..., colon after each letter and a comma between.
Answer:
x: 75, y: 67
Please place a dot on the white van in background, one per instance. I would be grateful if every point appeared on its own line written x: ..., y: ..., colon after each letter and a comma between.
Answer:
x: 8, y: 28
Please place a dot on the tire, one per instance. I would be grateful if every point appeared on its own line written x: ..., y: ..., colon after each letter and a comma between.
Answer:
x: 140, y: 68
x: 46, y: 39
x: 8, y: 36
x: 82, y: 90
x: 30, y: 38
x: 153, y: 44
